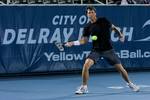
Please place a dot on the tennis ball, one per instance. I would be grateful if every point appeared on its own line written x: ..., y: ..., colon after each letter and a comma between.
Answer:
x: 94, y: 37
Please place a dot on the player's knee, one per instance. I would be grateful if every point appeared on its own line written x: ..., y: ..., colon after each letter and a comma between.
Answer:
x: 86, y: 66
x: 88, y: 63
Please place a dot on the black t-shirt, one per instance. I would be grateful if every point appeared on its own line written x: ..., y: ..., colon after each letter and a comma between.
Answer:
x: 102, y: 29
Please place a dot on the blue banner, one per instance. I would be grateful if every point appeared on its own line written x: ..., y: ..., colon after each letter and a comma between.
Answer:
x: 28, y: 33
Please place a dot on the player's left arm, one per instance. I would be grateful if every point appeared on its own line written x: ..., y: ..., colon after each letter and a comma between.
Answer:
x: 121, y: 35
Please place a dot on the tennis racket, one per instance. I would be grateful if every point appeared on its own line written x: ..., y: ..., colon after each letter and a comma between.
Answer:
x: 60, y: 46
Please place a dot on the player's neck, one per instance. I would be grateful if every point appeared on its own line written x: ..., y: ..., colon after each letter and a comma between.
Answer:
x: 94, y: 19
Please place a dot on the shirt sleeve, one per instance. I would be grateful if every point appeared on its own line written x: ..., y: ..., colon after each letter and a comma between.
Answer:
x: 108, y: 22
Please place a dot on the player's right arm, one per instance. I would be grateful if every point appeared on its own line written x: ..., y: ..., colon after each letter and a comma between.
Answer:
x: 83, y: 40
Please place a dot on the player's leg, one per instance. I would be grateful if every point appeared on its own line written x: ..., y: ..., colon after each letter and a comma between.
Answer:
x: 122, y: 71
x: 85, y: 76
x: 113, y: 60
x: 85, y: 71
x: 91, y: 59
x: 124, y: 74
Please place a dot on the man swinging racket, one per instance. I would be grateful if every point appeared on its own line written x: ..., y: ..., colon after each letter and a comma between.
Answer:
x: 100, y: 31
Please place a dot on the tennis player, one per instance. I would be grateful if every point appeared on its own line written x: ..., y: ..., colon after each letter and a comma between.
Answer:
x: 102, y: 47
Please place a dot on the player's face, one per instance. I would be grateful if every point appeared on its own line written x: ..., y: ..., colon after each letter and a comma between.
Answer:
x: 91, y: 14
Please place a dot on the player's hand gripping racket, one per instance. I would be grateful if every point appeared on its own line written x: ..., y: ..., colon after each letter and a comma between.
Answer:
x: 61, y: 46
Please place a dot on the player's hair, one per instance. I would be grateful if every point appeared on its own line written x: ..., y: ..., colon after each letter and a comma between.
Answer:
x: 90, y: 8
